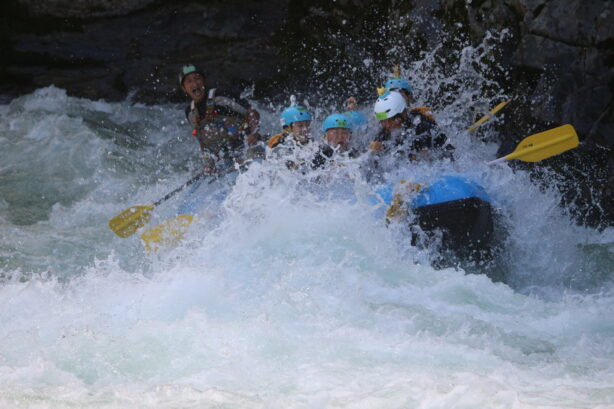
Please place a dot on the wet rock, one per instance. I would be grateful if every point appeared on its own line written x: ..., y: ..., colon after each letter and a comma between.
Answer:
x: 141, y: 52
x: 83, y: 8
x: 569, y: 21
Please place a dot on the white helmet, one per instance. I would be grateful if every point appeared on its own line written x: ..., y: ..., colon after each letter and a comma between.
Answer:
x: 389, y: 105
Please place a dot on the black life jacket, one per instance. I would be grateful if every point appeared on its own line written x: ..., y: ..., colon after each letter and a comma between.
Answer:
x: 224, y: 120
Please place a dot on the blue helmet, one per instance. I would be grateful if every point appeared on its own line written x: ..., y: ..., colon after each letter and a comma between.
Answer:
x: 398, y: 83
x: 335, y: 121
x: 294, y: 113
x: 355, y: 118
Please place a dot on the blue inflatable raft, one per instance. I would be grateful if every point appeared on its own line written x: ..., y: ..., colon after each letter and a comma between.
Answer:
x: 455, y: 214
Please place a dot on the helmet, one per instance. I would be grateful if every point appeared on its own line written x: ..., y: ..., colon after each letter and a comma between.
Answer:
x: 335, y: 121
x: 389, y: 105
x: 188, y: 69
x: 294, y: 113
x: 355, y: 118
x: 398, y: 83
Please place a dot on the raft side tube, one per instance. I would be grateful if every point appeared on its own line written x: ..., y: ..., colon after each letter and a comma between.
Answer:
x: 447, y: 189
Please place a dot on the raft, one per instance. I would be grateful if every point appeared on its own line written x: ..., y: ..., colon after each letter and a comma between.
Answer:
x: 206, y: 195
x: 453, y: 214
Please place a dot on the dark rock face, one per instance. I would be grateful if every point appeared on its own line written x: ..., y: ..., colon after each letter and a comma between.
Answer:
x: 557, y: 62
x: 143, y: 51
x: 567, y: 47
x: 83, y: 9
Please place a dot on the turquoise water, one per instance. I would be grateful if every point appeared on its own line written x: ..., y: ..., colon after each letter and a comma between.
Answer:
x: 283, y: 294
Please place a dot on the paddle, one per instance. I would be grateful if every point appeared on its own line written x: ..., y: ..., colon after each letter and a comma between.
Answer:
x: 172, y: 230
x: 167, y: 233
x: 543, y: 145
x: 486, y: 117
x: 130, y: 220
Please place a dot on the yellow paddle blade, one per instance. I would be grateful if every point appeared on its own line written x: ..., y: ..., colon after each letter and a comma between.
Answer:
x: 487, y: 117
x: 545, y: 144
x: 130, y: 220
x: 167, y: 233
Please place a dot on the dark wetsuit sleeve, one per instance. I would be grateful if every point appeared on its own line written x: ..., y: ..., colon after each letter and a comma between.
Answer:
x: 427, y: 142
x: 428, y: 136
x: 382, y: 136
x: 422, y: 142
x: 224, y: 110
x: 323, y: 155
x: 441, y: 141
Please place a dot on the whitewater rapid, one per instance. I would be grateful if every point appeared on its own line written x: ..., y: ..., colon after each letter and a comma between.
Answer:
x: 290, y: 296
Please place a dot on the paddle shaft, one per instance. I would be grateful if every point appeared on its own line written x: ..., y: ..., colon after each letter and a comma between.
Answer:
x: 191, y: 181
x: 500, y: 160
x: 180, y: 188
x: 486, y: 117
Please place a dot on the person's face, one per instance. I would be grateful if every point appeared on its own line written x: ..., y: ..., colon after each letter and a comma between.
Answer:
x: 338, y: 137
x: 391, y: 124
x: 194, y: 85
x: 300, y: 131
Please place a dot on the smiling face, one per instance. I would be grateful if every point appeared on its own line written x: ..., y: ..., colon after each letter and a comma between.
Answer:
x: 300, y: 131
x: 194, y: 85
x: 338, y: 137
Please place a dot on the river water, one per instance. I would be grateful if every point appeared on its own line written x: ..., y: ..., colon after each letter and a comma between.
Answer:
x: 288, y: 296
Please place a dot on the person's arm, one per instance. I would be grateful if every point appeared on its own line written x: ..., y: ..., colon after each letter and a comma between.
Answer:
x: 253, y: 125
x: 230, y: 104
x: 377, y: 145
x: 209, y: 163
x: 447, y: 149
x: 350, y: 104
